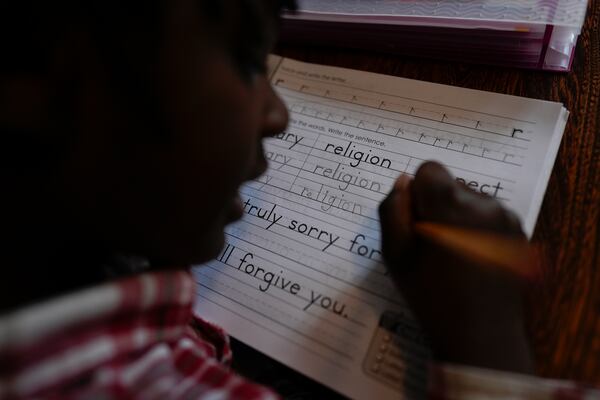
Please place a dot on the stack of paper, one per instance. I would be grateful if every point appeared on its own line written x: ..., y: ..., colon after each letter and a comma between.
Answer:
x: 537, y: 34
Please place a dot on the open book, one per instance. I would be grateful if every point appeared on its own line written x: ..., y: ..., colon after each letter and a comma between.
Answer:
x: 301, y: 276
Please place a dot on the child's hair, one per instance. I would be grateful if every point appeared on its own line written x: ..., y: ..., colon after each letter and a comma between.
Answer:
x: 29, y: 27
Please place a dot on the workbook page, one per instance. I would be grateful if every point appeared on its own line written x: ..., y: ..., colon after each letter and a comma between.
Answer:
x: 301, y: 276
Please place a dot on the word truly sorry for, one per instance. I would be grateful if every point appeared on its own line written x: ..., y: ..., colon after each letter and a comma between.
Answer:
x: 358, y: 245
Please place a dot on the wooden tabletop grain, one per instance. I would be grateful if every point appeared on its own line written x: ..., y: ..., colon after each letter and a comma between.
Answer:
x: 564, y: 309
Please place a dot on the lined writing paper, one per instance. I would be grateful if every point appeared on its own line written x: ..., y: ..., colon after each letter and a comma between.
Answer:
x: 301, y: 276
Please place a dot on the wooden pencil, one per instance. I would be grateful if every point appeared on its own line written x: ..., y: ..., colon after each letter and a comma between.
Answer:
x: 494, y: 249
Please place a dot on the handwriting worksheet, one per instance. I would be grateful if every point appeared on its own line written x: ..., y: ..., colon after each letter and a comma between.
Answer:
x: 301, y: 276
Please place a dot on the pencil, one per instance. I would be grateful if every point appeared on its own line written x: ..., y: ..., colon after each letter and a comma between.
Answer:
x: 489, y: 248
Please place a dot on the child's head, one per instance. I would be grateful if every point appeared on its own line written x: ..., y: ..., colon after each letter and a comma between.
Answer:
x: 129, y: 127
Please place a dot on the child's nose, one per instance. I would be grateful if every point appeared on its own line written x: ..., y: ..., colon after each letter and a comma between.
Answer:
x: 276, y: 114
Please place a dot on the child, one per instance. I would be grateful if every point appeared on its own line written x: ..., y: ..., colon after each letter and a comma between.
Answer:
x: 127, y: 129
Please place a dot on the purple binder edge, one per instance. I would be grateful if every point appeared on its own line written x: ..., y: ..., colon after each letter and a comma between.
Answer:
x: 525, y: 50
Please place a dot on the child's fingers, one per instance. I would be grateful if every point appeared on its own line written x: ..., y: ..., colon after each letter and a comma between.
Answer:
x: 402, y: 205
x: 438, y: 197
x: 435, y: 193
x: 396, y: 218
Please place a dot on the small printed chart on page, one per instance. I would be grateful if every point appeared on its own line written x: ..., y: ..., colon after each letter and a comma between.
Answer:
x: 301, y: 277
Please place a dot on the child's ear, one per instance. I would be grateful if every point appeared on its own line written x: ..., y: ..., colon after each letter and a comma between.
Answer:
x: 24, y: 102
x: 28, y: 96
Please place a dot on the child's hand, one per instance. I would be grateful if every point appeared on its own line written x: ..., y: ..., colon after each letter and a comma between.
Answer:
x: 472, y: 313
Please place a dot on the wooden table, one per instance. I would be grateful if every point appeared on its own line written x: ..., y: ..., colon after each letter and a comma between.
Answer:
x: 564, y: 311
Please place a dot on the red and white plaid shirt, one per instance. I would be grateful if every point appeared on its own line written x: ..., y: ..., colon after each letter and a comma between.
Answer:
x: 133, y: 339
x: 138, y: 339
